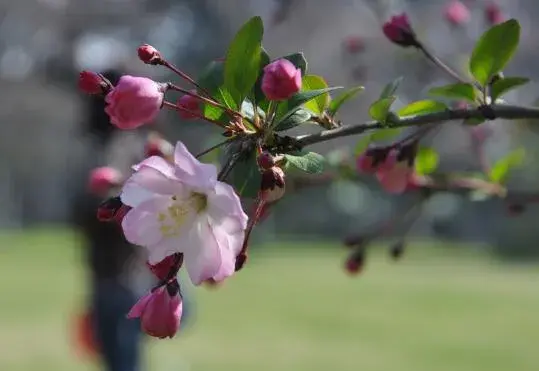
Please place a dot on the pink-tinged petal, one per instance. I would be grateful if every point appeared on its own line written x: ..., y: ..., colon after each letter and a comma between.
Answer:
x: 203, y: 258
x: 137, y: 309
x: 224, y: 203
x: 141, y: 226
x: 394, y: 180
x: 157, y: 163
x: 229, y: 247
x: 155, y: 181
x: 133, y: 194
x: 191, y: 171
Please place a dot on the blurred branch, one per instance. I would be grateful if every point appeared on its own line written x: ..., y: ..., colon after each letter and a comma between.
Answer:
x: 484, y: 112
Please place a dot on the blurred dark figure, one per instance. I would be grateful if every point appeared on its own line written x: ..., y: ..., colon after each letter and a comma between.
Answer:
x: 117, y: 271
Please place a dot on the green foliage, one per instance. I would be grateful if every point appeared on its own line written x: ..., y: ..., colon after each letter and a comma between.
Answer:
x: 379, y: 110
x: 391, y: 88
x: 505, y: 85
x: 286, y: 108
x: 336, y: 103
x: 426, y: 161
x: 212, y: 80
x: 422, y: 107
x: 243, y: 59
x: 309, y: 162
x: 456, y: 91
x: 500, y: 169
x: 297, y: 118
x: 319, y: 104
x: 258, y: 96
x: 245, y: 177
x: 494, y: 50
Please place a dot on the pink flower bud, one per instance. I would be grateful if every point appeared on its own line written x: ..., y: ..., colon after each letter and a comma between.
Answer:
x: 121, y: 213
x: 457, y: 13
x: 149, y: 55
x: 159, y: 311
x: 354, y: 44
x: 272, y: 186
x: 399, y: 31
x: 134, y: 102
x: 102, y: 179
x: 93, y: 83
x: 281, y: 80
x: 108, y: 209
x: 394, y: 176
x: 493, y: 13
x: 168, y: 267
x: 189, y: 103
x: 365, y: 164
x: 265, y: 160
x: 355, y: 262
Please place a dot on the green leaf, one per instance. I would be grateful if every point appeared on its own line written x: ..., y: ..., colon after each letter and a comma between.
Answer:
x: 458, y: 91
x: 312, y: 82
x: 391, y: 88
x: 426, y: 161
x: 298, y: 60
x: 259, y: 96
x: 310, y: 162
x: 245, y: 177
x: 494, y: 49
x: 380, y: 109
x: 242, y: 64
x: 286, y: 108
x: 506, y: 84
x: 212, y: 80
x: 421, y: 107
x: 336, y: 103
x: 297, y: 118
x: 500, y: 169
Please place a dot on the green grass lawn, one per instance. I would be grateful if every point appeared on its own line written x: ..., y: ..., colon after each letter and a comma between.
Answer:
x: 437, y: 310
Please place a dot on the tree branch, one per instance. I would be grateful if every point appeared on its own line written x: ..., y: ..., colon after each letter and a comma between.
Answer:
x: 494, y: 111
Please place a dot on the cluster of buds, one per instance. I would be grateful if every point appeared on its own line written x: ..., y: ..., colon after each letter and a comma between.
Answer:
x: 272, y: 185
x: 393, y: 166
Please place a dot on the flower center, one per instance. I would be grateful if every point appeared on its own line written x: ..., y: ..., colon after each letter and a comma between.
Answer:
x: 174, y: 217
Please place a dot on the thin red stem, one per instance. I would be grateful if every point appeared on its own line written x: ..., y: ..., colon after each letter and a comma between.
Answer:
x: 204, y: 99
x: 194, y: 113
x: 186, y: 77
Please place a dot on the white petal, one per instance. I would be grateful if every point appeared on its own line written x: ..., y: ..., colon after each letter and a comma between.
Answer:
x: 141, y: 226
x: 224, y: 203
x: 190, y: 171
x: 202, y: 258
x: 133, y: 194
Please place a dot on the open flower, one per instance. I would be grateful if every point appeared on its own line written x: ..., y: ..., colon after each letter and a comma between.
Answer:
x: 183, y: 208
x: 160, y: 311
x: 134, y: 102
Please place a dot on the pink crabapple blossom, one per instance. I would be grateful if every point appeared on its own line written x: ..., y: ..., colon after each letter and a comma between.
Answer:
x: 160, y: 311
x: 134, y: 102
x: 183, y: 208
x: 281, y: 80
x: 189, y: 103
x: 103, y: 179
x: 148, y: 54
x: 394, y: 176
x: 493, y: 13
x: 457, y: 13
x: 92, y: 83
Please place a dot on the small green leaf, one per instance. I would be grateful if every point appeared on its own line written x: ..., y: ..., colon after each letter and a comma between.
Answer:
x: 286, y: 108
x: 242, y: 64
x: 458, y: 91
x: 298, y: 60
x: 506, y: 84
x: 421, y: 107
x: 500, y: 169
x: 310, y: 162
x: 426, y: 161
x: 494, y: 49
x: 380, y: 109
x: 391, y: 88
x: 336, y: 103
x: 297, y: 118
x: 245, y: 177
x: 312, y: 82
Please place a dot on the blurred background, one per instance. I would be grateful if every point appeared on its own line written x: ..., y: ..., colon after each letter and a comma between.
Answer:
x: 465, y: 297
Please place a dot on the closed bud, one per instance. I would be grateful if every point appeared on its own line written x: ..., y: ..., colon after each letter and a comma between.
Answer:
x: 399, y: 31
x: 189, y: 106
x: 281, y: 80
x: 493, y: 13
x: 108, y: 209
x: 272, y: 185
x: 355, y: 262
x: 102, y: 179
x: 157, y: 146
x: 457, y: 13
x: 149, y: 55
x: 167, y: 268
x: 93, y: 83
x: 265, y: 160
